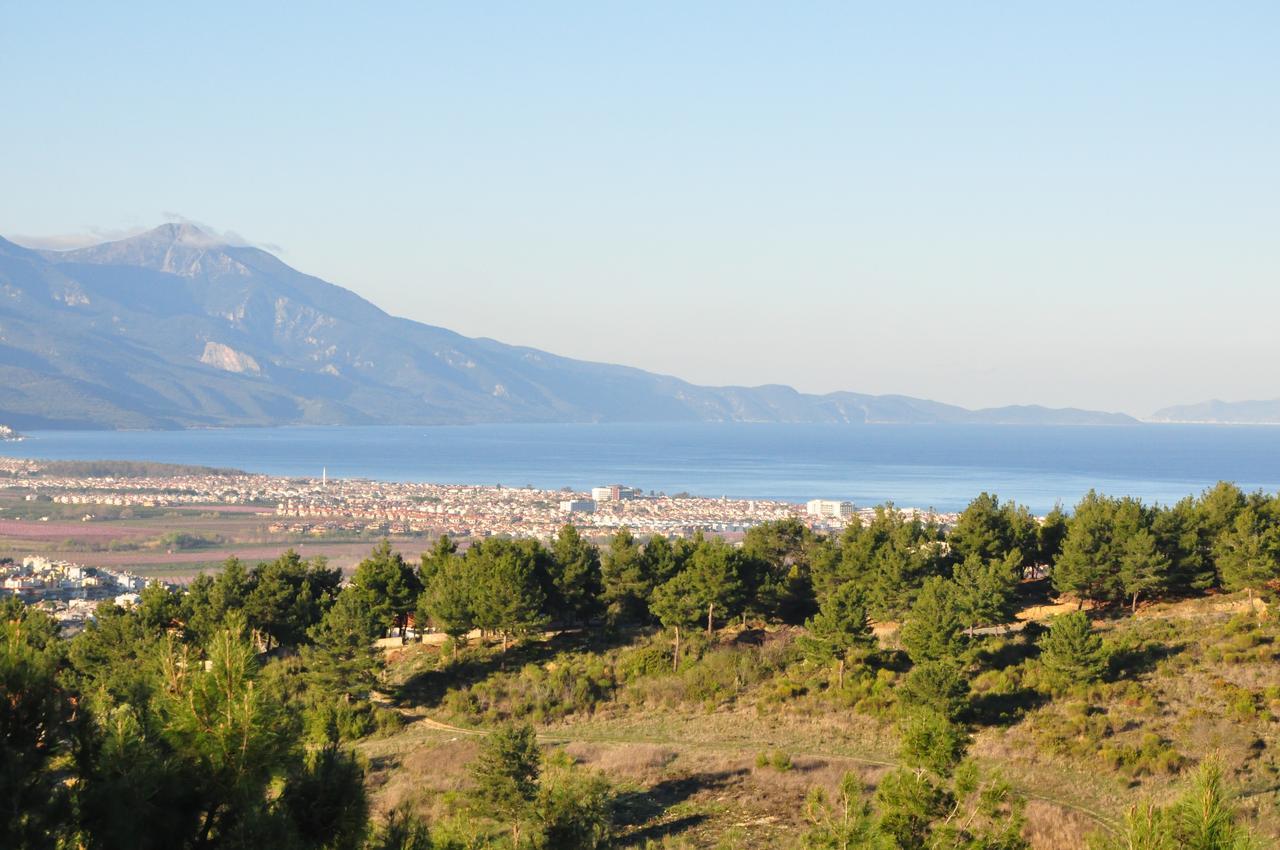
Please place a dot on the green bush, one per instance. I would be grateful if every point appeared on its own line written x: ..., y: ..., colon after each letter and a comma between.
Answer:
x: 778, y: 760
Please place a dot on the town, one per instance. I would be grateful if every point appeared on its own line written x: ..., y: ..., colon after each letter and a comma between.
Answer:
x: 300, y: 509
x: 316, y: 506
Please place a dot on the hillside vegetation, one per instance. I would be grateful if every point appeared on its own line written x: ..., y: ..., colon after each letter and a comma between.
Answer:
x: 1106, y: 679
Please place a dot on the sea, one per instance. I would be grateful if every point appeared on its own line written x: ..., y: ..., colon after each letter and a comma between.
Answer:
x: 926, y: 466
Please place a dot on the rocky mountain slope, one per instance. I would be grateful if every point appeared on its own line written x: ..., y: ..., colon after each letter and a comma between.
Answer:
x: 172, y: 328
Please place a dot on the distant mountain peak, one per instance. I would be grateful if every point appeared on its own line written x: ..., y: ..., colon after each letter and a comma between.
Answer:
x: 179, y: 233
x: 178, y: 247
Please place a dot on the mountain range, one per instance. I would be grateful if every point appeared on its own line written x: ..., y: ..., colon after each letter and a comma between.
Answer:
x: 174, y: 328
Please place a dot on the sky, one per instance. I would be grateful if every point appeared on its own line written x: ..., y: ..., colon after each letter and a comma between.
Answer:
x: 983, y: 203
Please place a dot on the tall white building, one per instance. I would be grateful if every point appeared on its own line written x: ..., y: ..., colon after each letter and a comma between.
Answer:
x: 614, y: 493
x: 829, y: 508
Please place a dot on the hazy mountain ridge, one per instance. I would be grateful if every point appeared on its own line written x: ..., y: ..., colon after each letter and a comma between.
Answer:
x: 1256, y: 412
x: 172, y: 328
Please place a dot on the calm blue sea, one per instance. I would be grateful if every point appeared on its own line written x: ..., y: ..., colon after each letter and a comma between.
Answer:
x: 940, y: 466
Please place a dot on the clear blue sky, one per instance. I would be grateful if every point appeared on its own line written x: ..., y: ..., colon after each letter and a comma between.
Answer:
x: 983, y: 203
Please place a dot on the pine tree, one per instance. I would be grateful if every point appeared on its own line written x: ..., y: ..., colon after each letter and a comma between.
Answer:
x: 840, y: 629
x: 844, y: 822
x: 440, y: 554
x: 507, y: 596
x: 938, y: 686
x: 1071, y: 651
x: 932, y: 631
x: 506, y: 775
x: 575, y: 576
x: 715, y: 579
x: 448, y: 600
x: 392, y: 586
x: 626, y: 578
x: 1248, y: 553
x: 676, y: 606
x: 1144, y: 569
x: 35, y: 715
x: 985, y: 589
x: 343, y: 660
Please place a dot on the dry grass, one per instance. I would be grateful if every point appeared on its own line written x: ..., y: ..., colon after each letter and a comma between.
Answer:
x: 689, y: 778
x: 1051, y: 826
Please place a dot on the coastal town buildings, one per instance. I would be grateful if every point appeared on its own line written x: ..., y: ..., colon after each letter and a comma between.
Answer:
x: 325, y: 505
x: 829, y: 508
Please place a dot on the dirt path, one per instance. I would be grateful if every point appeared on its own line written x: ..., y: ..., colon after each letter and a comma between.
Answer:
x: 445, y: 727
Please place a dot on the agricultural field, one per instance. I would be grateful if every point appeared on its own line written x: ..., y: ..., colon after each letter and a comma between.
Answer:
x: 174, y: 543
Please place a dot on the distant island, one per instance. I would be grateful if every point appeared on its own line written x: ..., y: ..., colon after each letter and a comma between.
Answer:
x: 175, y: 329
x: 1217, y: 412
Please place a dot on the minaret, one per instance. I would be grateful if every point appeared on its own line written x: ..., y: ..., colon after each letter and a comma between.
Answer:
x: 324, y: 476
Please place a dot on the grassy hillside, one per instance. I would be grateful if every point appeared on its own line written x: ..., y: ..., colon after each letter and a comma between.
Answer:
x: 725, y: 751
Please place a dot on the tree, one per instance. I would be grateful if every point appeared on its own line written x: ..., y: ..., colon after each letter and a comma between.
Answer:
x: 781, y: 586
x: 932, y: 630
x: 1144, y: 569
x: 627, y: 579
x: 441, y: 553
x: 324, y: 800
x: 289, y: 596
x: 506, y: 776
x: 575, y: 811
x: 715, y: 578
x: 236, y: 736
x: 932, y: 742
x: 575, y: 576
x: 1071, y: 651
x: 447, y: 601
x: 908, y: 802
x: 842, y: 823
x: 1248, y: 552
x: 507, y: 596
x: 1203, y: 818
x: 210, y: 599
x: 841, y: 627
x: 938, y: 686
x: 890, y: 557
x: 1092, y: 559
x: 343, y: 660
x: 35, y: 716
x: 676, y: 606
x: 1180, y: 536
x: 402, y: 830
x: 390, y: 584
x: 133, y: 792
x: 992, y: 532
x: 985, y: 589
x: 112, y: 658
x: 1051, y: 534
x: 159, y: 608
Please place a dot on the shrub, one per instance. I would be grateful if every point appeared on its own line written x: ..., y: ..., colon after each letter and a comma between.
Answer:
x: 778, y: 760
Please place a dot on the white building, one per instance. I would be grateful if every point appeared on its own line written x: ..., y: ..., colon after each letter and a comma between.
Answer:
x: 570, y: 506
x: 613, y: 493
x: 829, y: 508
